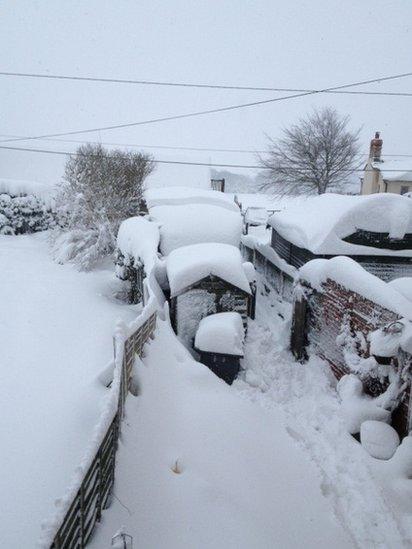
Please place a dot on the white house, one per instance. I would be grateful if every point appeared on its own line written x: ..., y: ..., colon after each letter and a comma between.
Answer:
x: 385, y: 176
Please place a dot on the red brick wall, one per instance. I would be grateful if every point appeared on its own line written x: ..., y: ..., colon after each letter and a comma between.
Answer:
x: 327, y: 311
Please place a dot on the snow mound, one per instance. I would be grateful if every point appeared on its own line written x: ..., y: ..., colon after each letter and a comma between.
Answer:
x: 189, y: 264
x: 176, y: 196
x: 138, y: 238
x: 321, y: 223
x: 349, y: 274
x: 195, y: 223
x: 379, y: 439
x: 403, y: 285
x: 221, y: 333
x: 356, y: 407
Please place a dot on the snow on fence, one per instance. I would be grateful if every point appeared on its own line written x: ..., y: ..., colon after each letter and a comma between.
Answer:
x: 82, y: 506
x: 261, y: 257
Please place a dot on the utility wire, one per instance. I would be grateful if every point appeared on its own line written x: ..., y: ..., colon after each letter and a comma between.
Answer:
x: 210, y: 111
x: 191, y: 84
x: 175, y: 148
x: 182, y: 162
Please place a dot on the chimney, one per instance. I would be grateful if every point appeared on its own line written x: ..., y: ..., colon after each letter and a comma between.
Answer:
x: 376, y: 148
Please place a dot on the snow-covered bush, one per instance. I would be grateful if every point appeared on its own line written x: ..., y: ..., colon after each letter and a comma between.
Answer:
x: 24, y: 214
x: 100, y: 189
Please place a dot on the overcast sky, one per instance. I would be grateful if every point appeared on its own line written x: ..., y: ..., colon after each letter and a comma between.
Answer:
x: 299, y: 44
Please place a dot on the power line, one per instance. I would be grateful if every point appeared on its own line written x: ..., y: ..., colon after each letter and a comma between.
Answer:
x: 211, y: 111
x: 180, y: 162
x: 176, y: 148
x: 191, y: 84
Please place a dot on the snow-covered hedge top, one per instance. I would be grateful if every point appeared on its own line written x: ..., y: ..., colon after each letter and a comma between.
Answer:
x: 221, y: 333
x: 196, y: 223
x: 395, y: 170
x: 189, y: 264
x: 403, y: 285
x: 18, y: 187
x: 320, y: 223
x: 349, y: 274
x: 138, y: 238
x: 169, y: 196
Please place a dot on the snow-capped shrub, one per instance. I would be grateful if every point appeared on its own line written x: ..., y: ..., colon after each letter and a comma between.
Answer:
x: 24, y: 214
x: 100, y: 189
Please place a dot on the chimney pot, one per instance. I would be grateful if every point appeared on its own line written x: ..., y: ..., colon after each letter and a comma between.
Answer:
x: 375, y: 150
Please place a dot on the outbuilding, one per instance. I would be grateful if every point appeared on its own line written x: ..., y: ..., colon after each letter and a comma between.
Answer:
x: 374, y: 230
x: 205, y: 279
x: 219, y: 342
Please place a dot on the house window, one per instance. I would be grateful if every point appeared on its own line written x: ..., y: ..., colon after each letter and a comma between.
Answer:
x: 404, y: 189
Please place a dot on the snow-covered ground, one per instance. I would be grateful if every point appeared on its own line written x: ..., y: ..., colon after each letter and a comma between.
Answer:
x: 375, y: 508
x: 201, y: 467
x: 56, y: 330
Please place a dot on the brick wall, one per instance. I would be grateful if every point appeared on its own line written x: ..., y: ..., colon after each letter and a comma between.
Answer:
x: 325, y: 314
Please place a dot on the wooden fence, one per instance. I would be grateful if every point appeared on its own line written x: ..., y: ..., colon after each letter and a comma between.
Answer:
x: 275, y: 277
x: 93, y: 495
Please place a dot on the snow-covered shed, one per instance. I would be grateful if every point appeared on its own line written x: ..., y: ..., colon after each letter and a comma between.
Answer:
x: 375, y: 230
x: 176, y: 196
x: 219, y: 342
x: 204, y: 279
x: 187, y: 224
x: 136, y: 253
x: 338, y: 305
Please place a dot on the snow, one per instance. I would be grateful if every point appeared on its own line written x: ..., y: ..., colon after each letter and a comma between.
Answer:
x: 388, y: 340
x: 371, y: 498
x: 256, y: 216
x: 379, y: 439
x: 195, y: 223
x: 20, y: 187
x: 403, y: 285
x: 349, y: 274
x: 356, y: 407
x: 138, y: 238
x: 267, y: 251
x: 55, y: 338
x: 221, y: 333
x: 320, y: 223
x: 189, y: 264
x: 169, y: 196
x: 199, y: 466
x: 250, y: 271
x: 394, y: 170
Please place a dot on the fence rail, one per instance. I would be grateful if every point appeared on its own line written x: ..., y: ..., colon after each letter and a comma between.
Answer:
x: 93, y: 495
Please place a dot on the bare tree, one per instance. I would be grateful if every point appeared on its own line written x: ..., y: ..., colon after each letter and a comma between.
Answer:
x: 317, y: 154
x: 100, y: 189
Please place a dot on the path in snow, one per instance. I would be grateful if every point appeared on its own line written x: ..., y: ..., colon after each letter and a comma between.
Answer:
x: 199, y: 467
x: 306, y: 397
x: 56, y: 327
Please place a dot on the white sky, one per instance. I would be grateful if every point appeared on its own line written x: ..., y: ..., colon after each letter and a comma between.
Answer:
x: 308, y: 44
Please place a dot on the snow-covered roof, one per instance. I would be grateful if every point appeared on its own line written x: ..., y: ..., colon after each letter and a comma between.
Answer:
x: 320, y: 223
x: 187, y: 265
x: 21, y: 187
x: 195, y: 223
x: 168, y: 196
x: 139, y: 238
x: 395, y: 170
x: 221, y: 333
x: 351, y: 275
